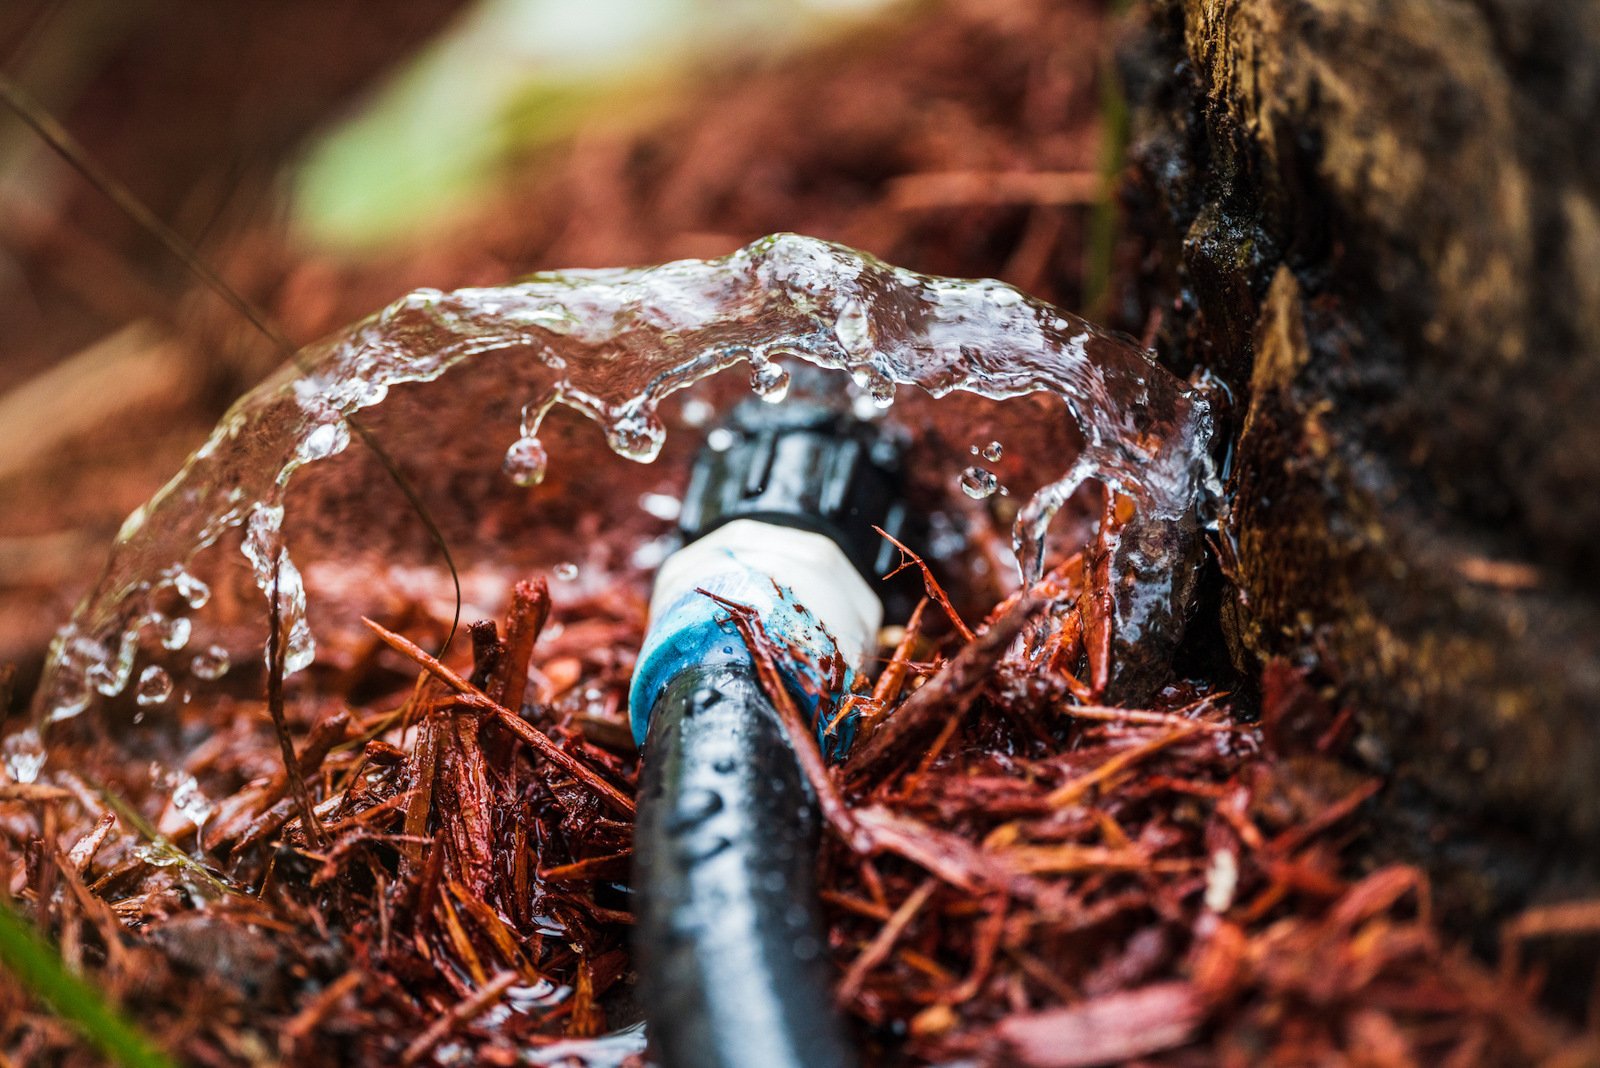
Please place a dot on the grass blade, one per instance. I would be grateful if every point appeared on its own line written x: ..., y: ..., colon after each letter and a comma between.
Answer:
x: 34, y: 964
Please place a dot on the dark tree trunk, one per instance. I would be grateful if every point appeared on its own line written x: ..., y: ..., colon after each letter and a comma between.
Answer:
x: 1379, y: 223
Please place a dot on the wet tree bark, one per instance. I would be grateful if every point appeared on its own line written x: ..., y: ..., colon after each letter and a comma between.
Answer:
x: 1379, y: 224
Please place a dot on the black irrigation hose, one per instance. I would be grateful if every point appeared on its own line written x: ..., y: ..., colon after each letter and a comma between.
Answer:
x: 730, y: 945
x: 780, y: 513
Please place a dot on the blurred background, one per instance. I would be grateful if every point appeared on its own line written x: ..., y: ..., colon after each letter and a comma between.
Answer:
x: 326, y: 158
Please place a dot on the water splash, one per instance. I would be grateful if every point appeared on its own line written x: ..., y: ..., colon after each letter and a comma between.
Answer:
x: 612, y: 344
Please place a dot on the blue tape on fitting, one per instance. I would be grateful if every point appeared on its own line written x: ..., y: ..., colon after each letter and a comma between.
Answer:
x: 694, y: 630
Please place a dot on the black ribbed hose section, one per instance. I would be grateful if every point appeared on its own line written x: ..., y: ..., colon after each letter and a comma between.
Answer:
x: 729, y: 941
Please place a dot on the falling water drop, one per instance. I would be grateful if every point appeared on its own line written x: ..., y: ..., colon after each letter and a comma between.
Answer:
x: 993, y: 451
x: 526, y: 462
x: 194, y: 592
x: 172, y: 631
x: 188, y: 799
x: 697, y: 413
x: 24, y: 755
x: 636, y: 435
x: 210, y: 664
x: 880, y: 388
x: 565, y: 571
x: 154, y: 687
x: 978, y: 483
x: 770, y: 382
x: 661, y: 505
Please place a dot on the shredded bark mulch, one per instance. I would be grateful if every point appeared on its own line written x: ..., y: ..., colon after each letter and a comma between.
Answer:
x: 1013, y: 872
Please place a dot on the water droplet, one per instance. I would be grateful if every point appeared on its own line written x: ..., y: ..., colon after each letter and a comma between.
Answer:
x: 526, y: 462
x: 24, y: 755
x: 770, y: 382
x: 173, y: 632
x: 156, y: 857
x: 879, y: 387
x: 720, y: 440
x: 651, y: 554
x: 695, y: 806
x: 275, y: 571
x: 637, y: 436
x: 103, y: 678
x: 110, y: 673
x: 993, y: 451
x: 661, y: 505
x: 566, y: 572
x: 978, y: 483
x: 697, y: 413
x: 155, y: 686
x: 188, y: 799
x: 194, y: 592
x: 211, y: 664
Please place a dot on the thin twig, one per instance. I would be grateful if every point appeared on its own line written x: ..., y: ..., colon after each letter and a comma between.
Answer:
x: 834, y: 809
x: 931, y: 584
x: 949, y: 693
x: 889, y: 683
x: 461, y: 1013
x: 1072, y: 791
x: 1147, y: 718
x: 878, y: 949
